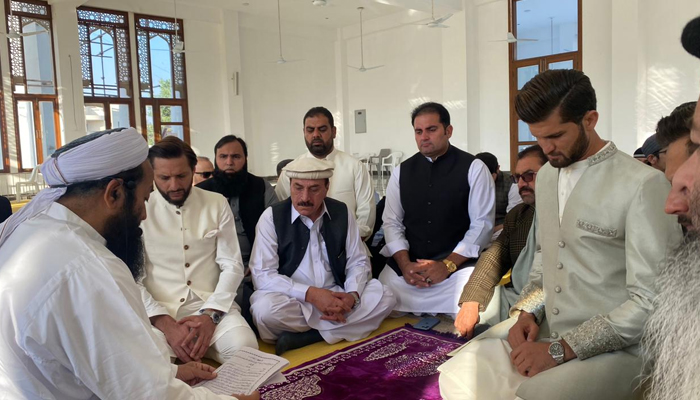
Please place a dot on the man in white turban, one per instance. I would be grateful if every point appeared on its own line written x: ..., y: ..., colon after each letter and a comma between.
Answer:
x: 309, y: 268
x: 71, y: 316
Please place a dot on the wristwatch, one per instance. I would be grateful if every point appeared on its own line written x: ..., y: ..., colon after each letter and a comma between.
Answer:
x: 451, y: 267
x: 357, y: 300
x: 214, y: 315
x: 556, y: 350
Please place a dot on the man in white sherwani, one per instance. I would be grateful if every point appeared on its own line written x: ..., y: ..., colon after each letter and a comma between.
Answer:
x: 351, y: 183
x: 310, y: 271
x: 193, y: 262
x: 72, y: 322
x: 602, y: 236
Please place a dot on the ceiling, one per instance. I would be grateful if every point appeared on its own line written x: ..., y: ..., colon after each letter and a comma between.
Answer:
x: 336, y: 14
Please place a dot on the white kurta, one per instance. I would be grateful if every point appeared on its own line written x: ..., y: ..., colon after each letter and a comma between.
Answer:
x: 278, y: 304
x: 72, y: 321
x: 350, y: 183
x: 442, y: 297
x: 193, y: 262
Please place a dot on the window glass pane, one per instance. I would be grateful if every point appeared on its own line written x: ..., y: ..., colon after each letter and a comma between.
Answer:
x: 568, y: 64
x: 551, y: 24
x: 172, y: 130
x: 150, y: 128
x: 170, y: 114
x: 527, y: 73
x: 120, y: 115
x: 104, y: 67
x: 524, y: 134
x: 161, y: 67
x: 38, y: 57
x: 48, y: 128
x: 25, y: 120
x: 523, y: 147
x: 95, y: 118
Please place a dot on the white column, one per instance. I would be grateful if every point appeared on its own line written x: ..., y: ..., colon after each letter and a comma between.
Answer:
x: 68, y: 69
x: 235, y: 122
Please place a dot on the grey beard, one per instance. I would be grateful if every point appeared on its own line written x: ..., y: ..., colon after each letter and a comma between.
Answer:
x: 671, y: 340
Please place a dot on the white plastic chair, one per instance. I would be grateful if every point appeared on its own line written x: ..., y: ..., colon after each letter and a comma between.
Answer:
x: 31, y: 183
x: 390, y: 161
x: 376, y: 161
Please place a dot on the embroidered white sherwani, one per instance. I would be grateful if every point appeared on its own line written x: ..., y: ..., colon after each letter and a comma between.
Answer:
x: 602, y: 235
x: 278, y: 303
x: 193, y: 262
x: 72, y: 322
x: 350, y: 183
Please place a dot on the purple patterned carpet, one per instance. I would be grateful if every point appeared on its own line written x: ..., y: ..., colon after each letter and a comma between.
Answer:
x: 399, y: 364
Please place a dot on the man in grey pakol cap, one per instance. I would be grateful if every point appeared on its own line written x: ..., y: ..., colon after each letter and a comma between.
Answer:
x: 71, y: 316
x: 309, y: 267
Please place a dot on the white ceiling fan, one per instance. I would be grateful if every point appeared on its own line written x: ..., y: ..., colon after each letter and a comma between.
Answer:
x: 436, y: 22
x: 281, y: 60
x: 512, y: 39
x: 178, y: 45
x: 362, y: 67
x: 12, y: 34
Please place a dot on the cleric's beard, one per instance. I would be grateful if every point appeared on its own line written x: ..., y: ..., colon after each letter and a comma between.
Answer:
x: 671, y: 341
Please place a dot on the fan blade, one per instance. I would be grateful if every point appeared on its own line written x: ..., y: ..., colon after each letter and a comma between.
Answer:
x: 443, y: 19
x: 368, y: 68
x: 357, y: 68
x: 527, y: 40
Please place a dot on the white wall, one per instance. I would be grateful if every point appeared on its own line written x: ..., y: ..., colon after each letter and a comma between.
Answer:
x: 276, y: 96
x: 420, y: 64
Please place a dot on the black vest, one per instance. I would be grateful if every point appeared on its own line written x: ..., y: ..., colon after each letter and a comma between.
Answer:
x: 251, y: 201
x: 292, y: 239
x: 435, y: 199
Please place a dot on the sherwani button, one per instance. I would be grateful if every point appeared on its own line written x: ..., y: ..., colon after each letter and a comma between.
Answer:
x: 187, y: 265
x: 557, y: 289
x: 562, y: 244
x: 555, y: 311
x: 177, y: 212
x: 187, y: 247
x: 189, y: 283
x: 555, y: 335
x: 182, y: 300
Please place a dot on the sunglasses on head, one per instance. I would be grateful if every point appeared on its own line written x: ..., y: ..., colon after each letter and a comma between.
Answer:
x: 527, y: 177
x: 205, y: 175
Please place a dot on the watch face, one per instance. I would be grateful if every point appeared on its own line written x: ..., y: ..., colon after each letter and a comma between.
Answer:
x: 556, y: 349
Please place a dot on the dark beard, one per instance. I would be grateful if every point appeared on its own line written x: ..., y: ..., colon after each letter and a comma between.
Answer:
x: 319, y: 149
x: 577, y: 152
x: 125, y: 238
x: 171, y: 201
x: 231, y: 185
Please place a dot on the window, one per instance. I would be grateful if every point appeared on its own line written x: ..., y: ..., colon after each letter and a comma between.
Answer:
x: 33, y: 80
x: 162, y: 84
x: 105, y: 57
x: 552, y: 33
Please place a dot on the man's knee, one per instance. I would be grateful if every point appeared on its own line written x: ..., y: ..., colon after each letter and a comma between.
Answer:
x: 233, y: 340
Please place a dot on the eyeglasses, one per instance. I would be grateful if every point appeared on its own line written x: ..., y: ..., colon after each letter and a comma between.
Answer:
x: 205, y: 175
x: 527, y: 177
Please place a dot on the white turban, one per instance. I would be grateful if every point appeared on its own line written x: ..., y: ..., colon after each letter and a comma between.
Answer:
x: 309, y: 168
x: 87, y: 160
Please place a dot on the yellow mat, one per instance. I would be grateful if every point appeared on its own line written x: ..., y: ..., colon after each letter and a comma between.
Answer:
x: 316, y: 350
x: 17, y: 205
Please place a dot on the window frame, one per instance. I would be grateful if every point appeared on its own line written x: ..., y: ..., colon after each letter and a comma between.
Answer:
x: 34, y: 98
x: 156, y: 102
x: 106, y: 101
x: 543, y: 65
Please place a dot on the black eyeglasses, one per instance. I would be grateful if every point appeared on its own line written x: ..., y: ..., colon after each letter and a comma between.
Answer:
x: 205, y: 175
x: 527, y: 177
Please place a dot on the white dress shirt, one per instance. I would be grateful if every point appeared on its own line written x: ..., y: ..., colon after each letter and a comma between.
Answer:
x: 192, y: 248
x: 314, y: 269
x: 569, y: 177
x: 72, y: 321
x: 482, y: 211
x: 350, y: 183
